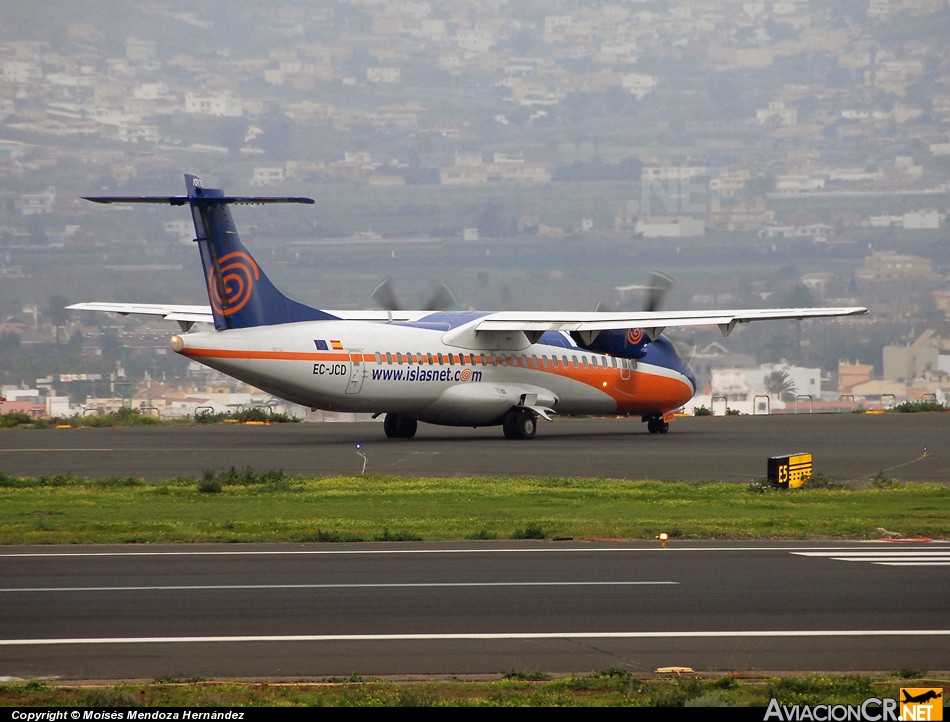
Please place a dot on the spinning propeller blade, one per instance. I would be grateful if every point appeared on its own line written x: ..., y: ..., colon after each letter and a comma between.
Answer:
x: 442, y: 298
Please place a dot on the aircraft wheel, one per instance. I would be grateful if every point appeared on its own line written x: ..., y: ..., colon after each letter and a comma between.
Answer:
x: 658, y: 426
x: 520, y: 424
x: 398, y: 426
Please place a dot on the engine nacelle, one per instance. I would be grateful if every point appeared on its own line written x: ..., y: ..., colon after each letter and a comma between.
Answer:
x: 623, y: 343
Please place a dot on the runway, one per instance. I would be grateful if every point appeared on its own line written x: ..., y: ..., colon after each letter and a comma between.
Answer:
x: 479, y: 608
x: 467, y: 609
x: 845, y: 447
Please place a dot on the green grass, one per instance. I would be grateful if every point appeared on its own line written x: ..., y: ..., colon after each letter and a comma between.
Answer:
x: 607, y: 688
x: 270, y: 506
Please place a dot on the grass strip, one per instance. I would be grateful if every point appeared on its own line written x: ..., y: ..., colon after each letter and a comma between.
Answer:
x: 608, y: 688
x: 250, y: 506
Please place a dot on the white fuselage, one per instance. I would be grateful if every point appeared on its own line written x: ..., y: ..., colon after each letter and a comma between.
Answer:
x: 361, y: 366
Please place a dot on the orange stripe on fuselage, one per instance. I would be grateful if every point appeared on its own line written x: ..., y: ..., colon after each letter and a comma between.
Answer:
x: 641, y: 393
x: 269, y: 355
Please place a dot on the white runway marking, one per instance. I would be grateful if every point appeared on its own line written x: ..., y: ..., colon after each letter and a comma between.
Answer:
x: 332, y: 586
x: 476, y: 637
x: 896, y: 558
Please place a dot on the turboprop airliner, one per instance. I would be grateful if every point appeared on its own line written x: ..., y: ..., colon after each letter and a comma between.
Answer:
x: 455, y: 368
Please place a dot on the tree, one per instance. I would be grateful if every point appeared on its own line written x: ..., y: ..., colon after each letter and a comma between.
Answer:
x: 779, y: 385
x: 490, y: 221
x: 9, y: 341
x: 56, y: 313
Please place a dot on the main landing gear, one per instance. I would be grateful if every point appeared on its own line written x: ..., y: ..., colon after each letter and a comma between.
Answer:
x: 520, y: 424
x: 398, y: 426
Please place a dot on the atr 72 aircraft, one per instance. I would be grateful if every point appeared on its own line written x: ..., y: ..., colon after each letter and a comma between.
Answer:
x: 467, y: 368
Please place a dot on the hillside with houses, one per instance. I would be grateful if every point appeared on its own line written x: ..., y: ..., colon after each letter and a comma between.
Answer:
x: 530, y: 154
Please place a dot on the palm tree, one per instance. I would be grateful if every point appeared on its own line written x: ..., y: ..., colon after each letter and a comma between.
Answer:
x: 779, y: 385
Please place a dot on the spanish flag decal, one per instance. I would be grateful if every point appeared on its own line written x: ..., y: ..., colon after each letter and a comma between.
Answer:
x: 323, y: 345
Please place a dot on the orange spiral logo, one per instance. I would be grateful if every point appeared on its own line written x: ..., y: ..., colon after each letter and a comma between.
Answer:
x: 465, y: 375
x: 634, y: 335
x: 238, y: 274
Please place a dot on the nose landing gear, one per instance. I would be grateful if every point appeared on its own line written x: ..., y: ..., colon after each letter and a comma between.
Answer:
x: 657, y: 425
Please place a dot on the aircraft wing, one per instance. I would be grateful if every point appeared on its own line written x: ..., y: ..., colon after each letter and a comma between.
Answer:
x: 202, y: 314
x: 167, y: 311
x: 653, y: 322
x: 533, y: 323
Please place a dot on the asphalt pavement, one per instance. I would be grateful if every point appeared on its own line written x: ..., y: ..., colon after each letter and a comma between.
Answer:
x: 844, y: 447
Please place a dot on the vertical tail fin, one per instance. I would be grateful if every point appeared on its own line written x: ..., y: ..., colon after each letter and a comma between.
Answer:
x: 241, y: 294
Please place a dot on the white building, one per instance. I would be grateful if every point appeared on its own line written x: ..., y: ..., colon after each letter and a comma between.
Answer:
x: 222, y: 104
x: 670, y: 227
x: 747, y: 390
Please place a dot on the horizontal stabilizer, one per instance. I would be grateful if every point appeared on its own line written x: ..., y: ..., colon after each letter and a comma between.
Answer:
x: 198, y: 200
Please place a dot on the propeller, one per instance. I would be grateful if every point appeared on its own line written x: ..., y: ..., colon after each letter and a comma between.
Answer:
x: 660, y: 285
x: 384, y: 295
x: 441, y: 299
x: 656, y: 291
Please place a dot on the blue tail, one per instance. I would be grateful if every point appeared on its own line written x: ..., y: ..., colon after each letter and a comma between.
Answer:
x: 241, y: 294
